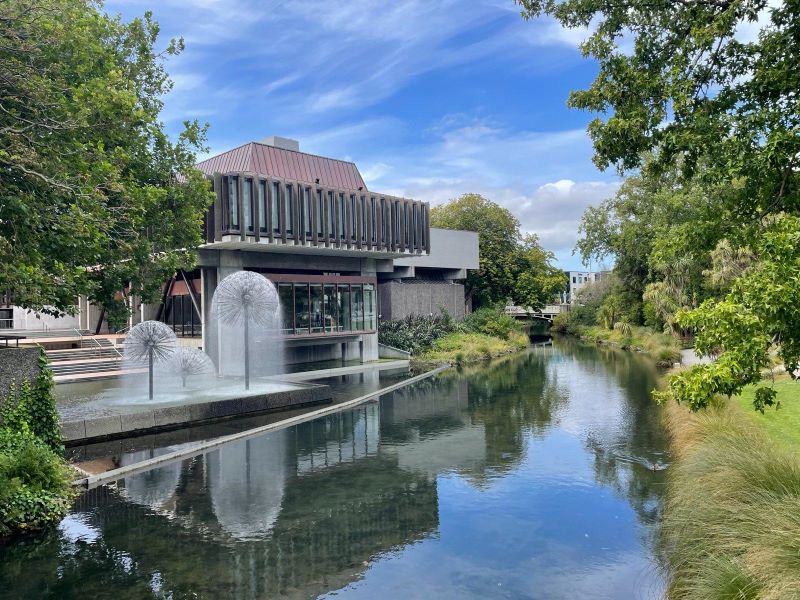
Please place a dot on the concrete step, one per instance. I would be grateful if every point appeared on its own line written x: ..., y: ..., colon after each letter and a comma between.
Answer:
x: 85, y: 366
x: 81, y: 354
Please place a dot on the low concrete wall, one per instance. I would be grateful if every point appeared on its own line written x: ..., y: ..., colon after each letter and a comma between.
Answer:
x: 385, y: 351
x: 17, y: 364
x: 132, y: 424
x: 333, y: 350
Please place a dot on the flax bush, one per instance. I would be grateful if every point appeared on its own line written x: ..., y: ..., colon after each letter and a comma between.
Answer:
x: 416, y: 333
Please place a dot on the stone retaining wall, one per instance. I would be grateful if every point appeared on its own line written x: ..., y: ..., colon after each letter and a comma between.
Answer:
x: 17, y: 364
x: 175, y: 417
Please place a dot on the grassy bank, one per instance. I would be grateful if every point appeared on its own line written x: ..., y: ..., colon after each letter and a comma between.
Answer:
x: 485, y: 333
x: 731, y: 526
x: 460, y: 348
x: 665, y: 349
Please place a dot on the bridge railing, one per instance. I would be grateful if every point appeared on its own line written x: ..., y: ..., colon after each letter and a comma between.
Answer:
x: 550, y: 309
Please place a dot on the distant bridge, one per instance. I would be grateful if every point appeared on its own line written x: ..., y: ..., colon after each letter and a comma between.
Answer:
x: 545, y: 314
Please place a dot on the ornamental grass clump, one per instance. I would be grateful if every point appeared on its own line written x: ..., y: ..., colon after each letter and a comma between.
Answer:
x: 731, y: 527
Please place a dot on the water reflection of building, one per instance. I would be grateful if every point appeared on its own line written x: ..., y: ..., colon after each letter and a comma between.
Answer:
x: 302, y: 511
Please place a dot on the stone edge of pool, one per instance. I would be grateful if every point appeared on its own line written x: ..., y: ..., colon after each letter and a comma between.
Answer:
x: 108, y: 427
x: 172, y: 417
x: 92, y: 481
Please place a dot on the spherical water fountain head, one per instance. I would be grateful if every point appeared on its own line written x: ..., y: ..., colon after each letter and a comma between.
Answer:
x: 186, y: 362
x: 249, y: 294
x: 150, y: 338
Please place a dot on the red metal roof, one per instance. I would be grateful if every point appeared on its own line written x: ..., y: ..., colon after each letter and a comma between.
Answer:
x: 270, y: 161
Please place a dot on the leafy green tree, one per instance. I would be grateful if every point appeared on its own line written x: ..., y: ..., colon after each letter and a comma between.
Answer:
x: 675, y: 78
x: 680, y: 90
x: 660, y: 232
x: 760, y: 313
x: 498, y: 235
x: 512, y: 266
x: 538, y: 282
x: 96, y: 199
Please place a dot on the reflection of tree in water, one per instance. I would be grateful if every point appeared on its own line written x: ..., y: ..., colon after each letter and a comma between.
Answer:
x: 513, y: 398
x: 631, y: 458
x: 332, y: 521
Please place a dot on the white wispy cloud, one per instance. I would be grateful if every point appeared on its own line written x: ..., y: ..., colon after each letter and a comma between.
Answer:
x: 326, y: 73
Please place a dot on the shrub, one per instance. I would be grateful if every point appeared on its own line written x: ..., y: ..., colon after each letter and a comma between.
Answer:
x: 35, y: 489
x: 573, y: 322
x: 415, y: 333
x: 490, y: 321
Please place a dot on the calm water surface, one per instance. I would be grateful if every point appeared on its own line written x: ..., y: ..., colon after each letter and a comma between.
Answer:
x: 538, y: 476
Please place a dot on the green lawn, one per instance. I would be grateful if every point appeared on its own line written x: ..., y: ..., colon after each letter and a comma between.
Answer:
x: 782, y: 424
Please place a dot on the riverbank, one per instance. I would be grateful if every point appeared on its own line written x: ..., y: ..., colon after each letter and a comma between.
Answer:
x: 461, y: 348
x: 731, y: 528
x: 663, y: 348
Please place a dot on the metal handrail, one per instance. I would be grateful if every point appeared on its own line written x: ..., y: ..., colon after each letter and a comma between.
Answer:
x: 99, y: 348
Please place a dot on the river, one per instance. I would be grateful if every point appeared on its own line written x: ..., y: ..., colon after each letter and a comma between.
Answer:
x: 535, y: 476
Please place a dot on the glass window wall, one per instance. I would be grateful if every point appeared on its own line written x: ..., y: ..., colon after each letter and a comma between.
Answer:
x: 288, y: 209
x: 363, y: 218
x: 233, y: 203
x: 307, y: 209
x: 273, y: 203
x: 357, y: 316
x: 370, y: 310
x: 317, y: 313
x: 343, y: 308
x: 319, y: 308
x: 286, y: 297
x: 342, y: 222
x: 262, y: 206
x: 247, y: 203
x: 329, y: 305
x: 331, y: 232
x: 320, y: 214
x: 302, y: 317
x: 352, y: 219
x: 373, y: 218
x: 180, y: 315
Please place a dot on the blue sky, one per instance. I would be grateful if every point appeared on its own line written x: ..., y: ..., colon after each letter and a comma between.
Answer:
x: 430, y: 98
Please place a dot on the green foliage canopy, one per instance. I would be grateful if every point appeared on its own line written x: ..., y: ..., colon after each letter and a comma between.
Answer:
x: 96, y: 199
x: 682, y: 91
x: 761, y: 312
x: 512, y: 266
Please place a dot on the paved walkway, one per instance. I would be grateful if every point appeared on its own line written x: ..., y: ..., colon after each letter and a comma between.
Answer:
x: 690, y: 358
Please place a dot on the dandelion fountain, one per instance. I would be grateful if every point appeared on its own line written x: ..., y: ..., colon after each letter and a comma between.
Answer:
x: 244, y: 299
x: 248, y: 343
x: 186, y: 362
x: 150, y: 342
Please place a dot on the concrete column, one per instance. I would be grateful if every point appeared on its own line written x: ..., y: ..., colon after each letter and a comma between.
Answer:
x: 208, y: 285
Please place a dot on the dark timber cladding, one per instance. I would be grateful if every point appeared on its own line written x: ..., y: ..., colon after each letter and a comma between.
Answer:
x: 266, y: 194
